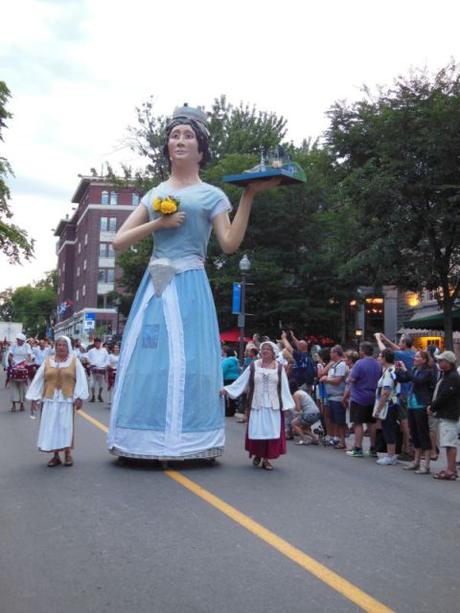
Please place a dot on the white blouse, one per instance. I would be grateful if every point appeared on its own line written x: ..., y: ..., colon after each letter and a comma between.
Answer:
x: 35, y: 391
x: 265, y: 388
x: 113, y: 360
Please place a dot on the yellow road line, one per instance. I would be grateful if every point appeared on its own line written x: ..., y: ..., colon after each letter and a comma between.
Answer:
x: 93, y: 421
x: 327, y: 576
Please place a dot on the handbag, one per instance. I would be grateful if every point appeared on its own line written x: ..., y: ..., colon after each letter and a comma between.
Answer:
x: 383, y: 413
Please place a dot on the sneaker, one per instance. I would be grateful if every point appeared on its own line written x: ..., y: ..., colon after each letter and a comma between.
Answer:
x: 371, y: 453
x: 387, y: 460
x: 355, y: 453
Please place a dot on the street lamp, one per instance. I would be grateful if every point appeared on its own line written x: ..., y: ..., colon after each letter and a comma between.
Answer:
x: 117, y: 302
x: 245, y: 267
x: 358, y: 335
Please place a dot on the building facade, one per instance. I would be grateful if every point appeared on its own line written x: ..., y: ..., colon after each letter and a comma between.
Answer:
x: 87, y: 267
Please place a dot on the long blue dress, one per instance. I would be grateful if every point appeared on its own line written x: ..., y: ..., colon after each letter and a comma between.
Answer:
x: 166, y: 401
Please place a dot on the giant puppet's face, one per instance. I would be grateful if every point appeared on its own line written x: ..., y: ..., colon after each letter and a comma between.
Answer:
x: 183, y: 145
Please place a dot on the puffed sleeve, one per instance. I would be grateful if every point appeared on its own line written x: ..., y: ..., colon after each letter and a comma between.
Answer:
x: 35, y: 391
x: 239, y: 385
x: 286, y: 396
x: 81, y: 384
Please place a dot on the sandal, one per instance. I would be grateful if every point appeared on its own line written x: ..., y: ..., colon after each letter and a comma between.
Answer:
x: 443, y: 475
x: 302, y: 442
x: 256, y: 461
x: 68, y: 461
x: 54, y: 461
x: 340, y: 446
x: 423, y: 470
x: 266, y: 465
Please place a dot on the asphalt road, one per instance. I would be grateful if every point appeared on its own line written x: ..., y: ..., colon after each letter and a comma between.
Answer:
x: 104, y: 537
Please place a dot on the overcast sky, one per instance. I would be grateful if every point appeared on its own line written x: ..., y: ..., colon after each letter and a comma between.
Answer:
x: 77, y: 69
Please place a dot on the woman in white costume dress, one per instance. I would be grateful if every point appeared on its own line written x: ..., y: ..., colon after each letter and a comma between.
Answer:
x: 60, y: 384
x: 268, y: 398
x: 166, y: 402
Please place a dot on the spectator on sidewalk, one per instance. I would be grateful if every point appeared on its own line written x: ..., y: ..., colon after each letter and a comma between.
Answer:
x: 385, y: 408
x: 446, y: 408
x: 231, y: 372
x: 306, y: 413
x: 422, y: 380
x: 403, y: 353
x: 303, y: 369
x: 363, y: 378
x: 335, y: 389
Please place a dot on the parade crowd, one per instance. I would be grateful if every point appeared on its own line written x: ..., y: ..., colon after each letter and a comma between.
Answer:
x: 406, y: 402
x: 57, y: 376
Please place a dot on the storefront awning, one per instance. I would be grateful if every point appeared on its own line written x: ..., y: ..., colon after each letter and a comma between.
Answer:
x: 431, y: 318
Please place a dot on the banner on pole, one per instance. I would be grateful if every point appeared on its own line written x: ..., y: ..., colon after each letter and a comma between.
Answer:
x: 236, y: 299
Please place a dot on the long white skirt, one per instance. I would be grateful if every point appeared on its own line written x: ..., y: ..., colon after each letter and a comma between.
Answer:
x: 56, y: 425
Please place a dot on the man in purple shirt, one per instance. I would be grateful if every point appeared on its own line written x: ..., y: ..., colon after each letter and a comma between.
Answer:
x: 364, y: 377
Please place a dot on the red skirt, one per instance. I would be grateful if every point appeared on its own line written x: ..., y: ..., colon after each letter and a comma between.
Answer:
x: 269, y: 448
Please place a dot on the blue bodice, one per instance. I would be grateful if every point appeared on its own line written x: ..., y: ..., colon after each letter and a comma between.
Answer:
x: 201, y: 203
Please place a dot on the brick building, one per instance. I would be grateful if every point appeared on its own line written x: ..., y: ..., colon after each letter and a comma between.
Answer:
x: 87, y: 269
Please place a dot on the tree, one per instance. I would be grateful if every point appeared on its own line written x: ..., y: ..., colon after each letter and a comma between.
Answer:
x: 398, y: 156
x: 14, y: 242
x: 33, y: 305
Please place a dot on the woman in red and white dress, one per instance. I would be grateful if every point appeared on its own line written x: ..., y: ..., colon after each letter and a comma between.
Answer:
x: 268, y: 398
x: 112, y: 366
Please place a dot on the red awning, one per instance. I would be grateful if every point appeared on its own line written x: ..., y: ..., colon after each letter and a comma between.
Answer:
x: 232, y: 336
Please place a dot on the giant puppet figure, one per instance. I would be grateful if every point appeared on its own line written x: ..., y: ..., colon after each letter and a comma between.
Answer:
x: 166, y: 404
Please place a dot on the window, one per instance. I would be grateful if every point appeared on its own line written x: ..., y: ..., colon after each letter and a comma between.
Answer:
x: 63, y: 267
x: 106, y: 250
x: 106, y: 275
x: 78, y: 271
x: 113, y: 198
x: 79, y: 247
x: 77, y: 295
x: 108, y: 224
x: 84, y: 264
x: 86, y: 238
x: 105, y: 197
x: 62, y: 287
x: 83, y: 290
x: 135, y: 199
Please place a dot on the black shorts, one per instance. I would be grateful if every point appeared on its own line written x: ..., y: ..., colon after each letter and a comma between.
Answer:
x: 360, y: 414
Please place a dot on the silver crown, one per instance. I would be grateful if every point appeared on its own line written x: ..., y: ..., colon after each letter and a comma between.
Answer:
x: 189, y: 112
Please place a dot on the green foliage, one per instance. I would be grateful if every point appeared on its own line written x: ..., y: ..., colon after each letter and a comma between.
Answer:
x: 14, y: 242
x: 33, y: 305
x: 398, y: 154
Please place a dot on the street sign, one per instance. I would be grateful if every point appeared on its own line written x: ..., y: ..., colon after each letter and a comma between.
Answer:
x: 236, y: 299
x: 90, y: 321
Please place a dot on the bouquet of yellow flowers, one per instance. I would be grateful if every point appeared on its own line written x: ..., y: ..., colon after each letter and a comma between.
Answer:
x: 166, y: 206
